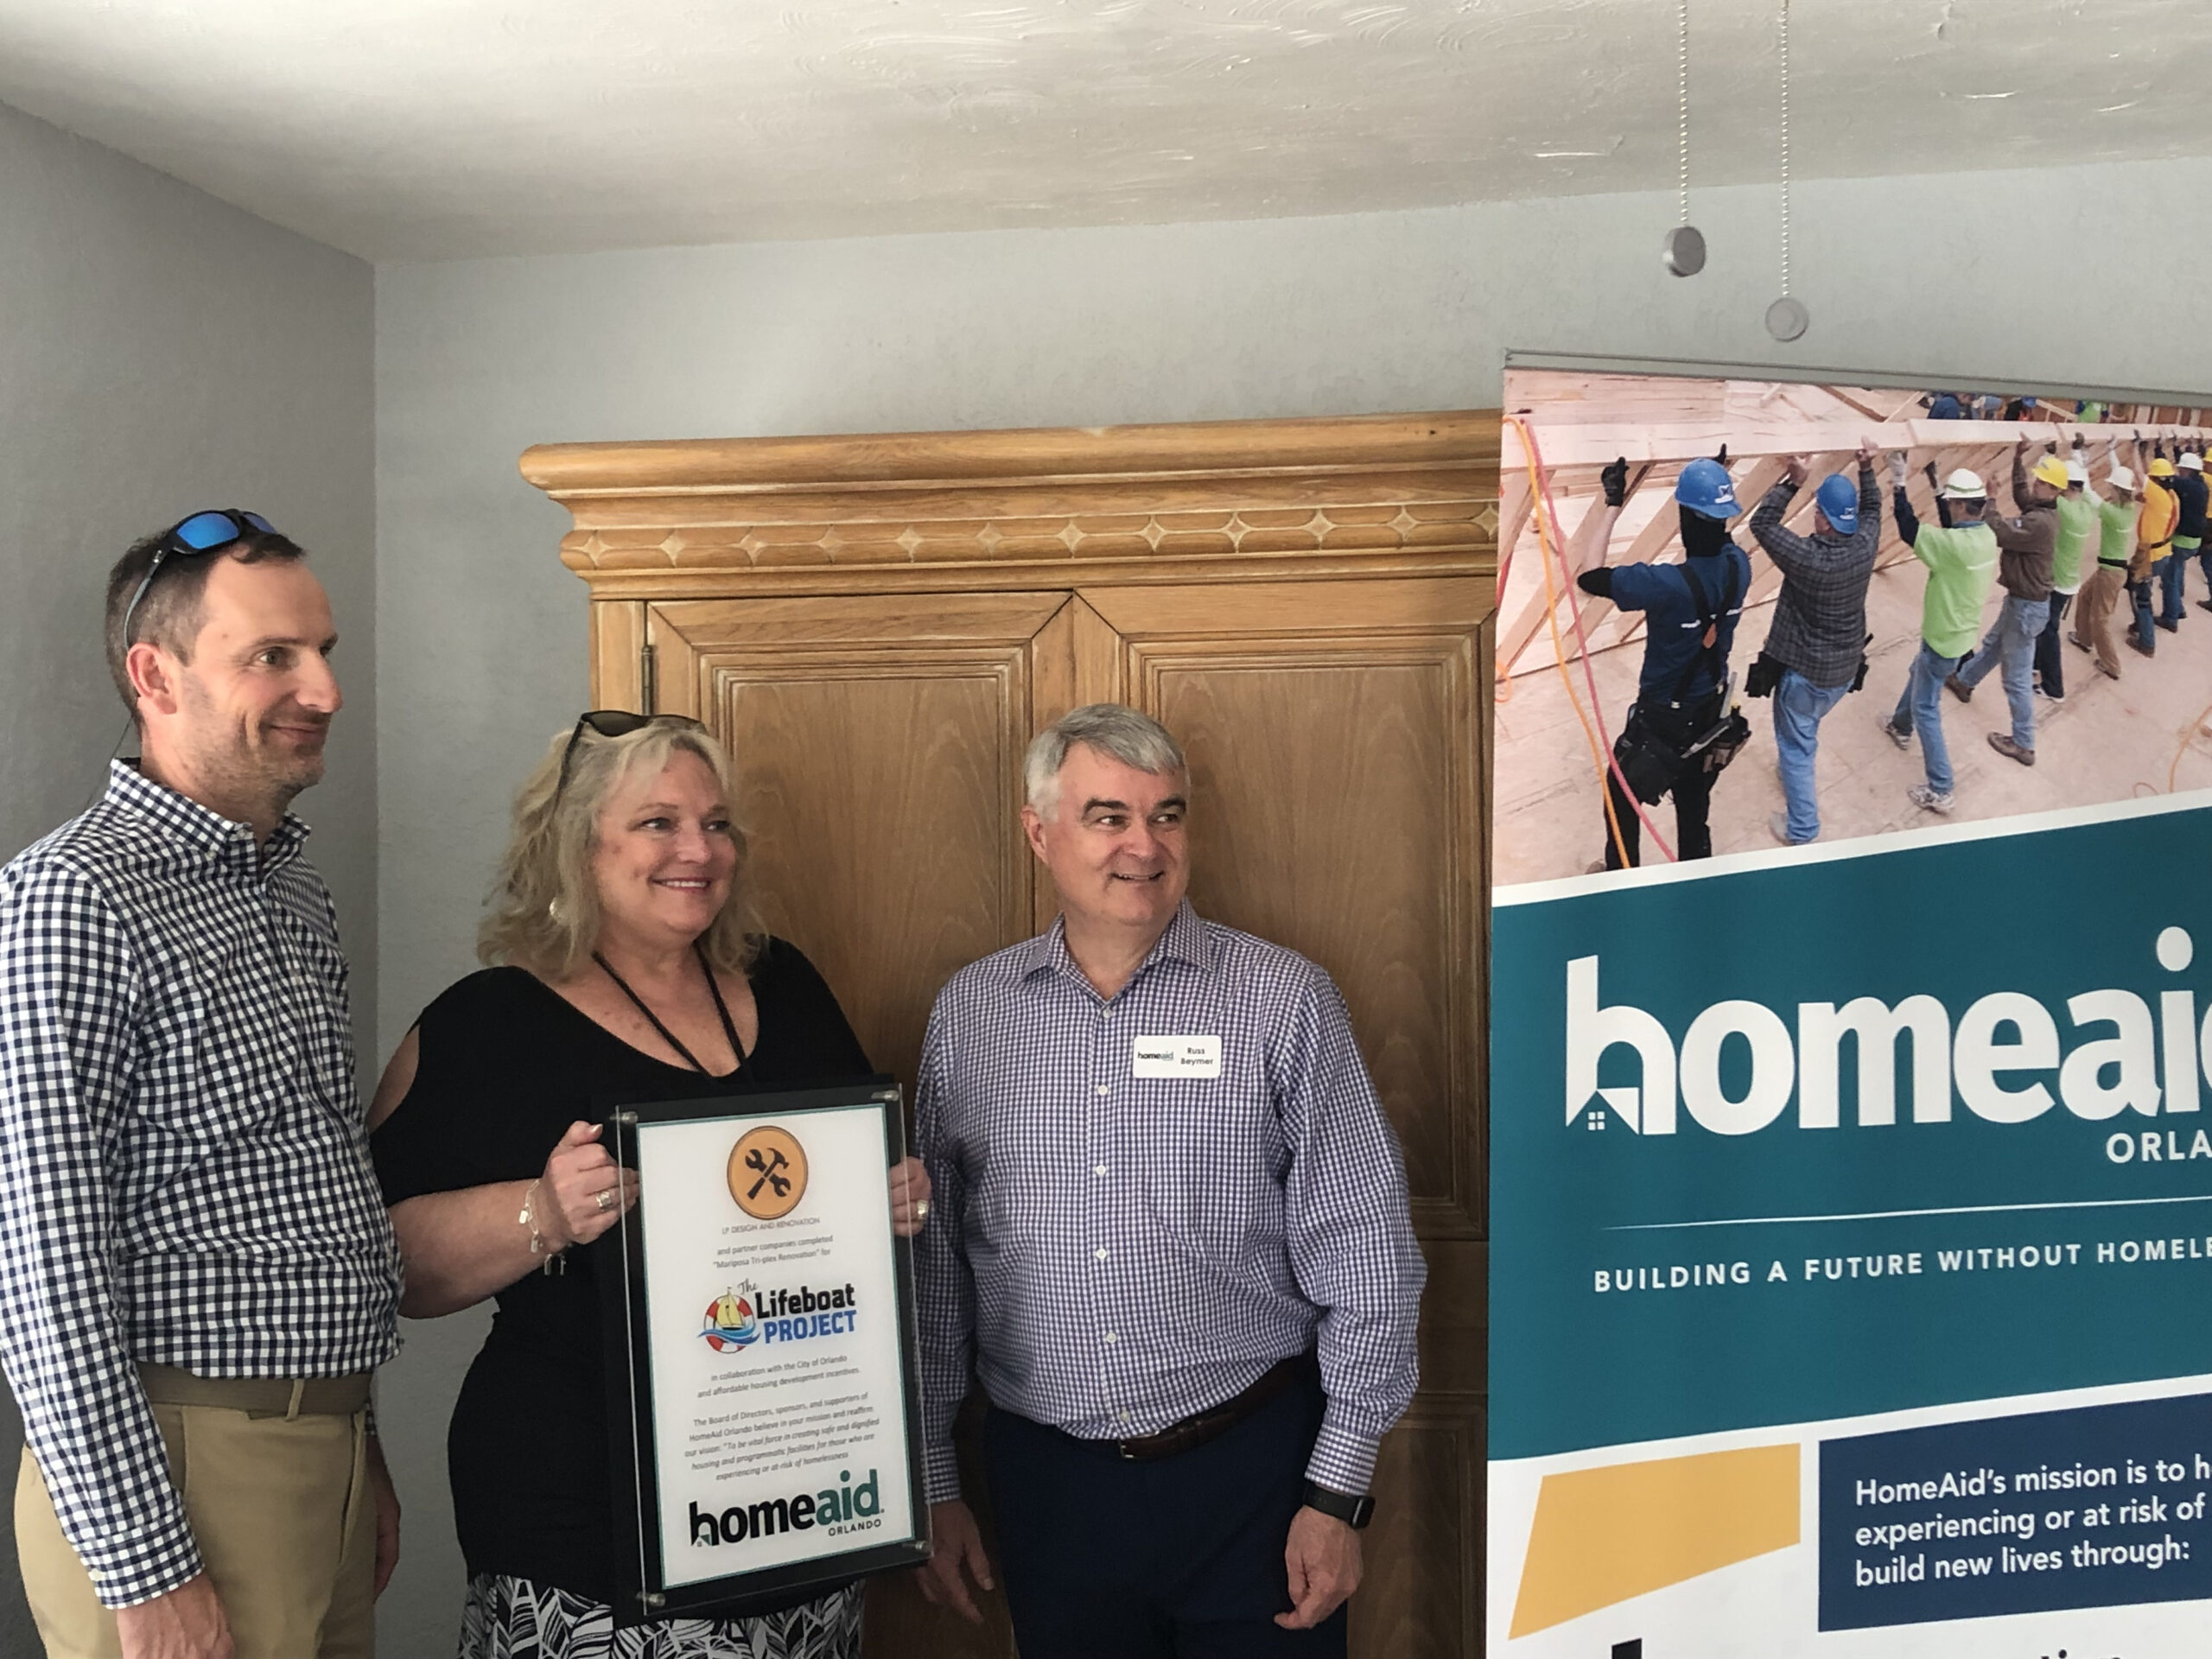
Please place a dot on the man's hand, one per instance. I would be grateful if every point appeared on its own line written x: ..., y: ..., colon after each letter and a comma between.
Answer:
x: 1897, y: 469
x: 387, y: 1500
x: 1323, y: 1556
x: 185, y: 1623
x: 1867, y: 453
x: 952, y: 1525
x: 1794, y: 470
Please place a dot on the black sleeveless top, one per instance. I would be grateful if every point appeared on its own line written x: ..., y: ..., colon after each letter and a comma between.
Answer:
x: 506, y: 1065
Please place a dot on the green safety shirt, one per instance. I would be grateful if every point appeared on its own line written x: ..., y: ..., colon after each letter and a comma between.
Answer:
x: 2118, y: 517
x: 1962, y: 563
x: 2077, y: 517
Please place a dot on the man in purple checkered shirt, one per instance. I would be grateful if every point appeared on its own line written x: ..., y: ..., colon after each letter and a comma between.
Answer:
x: 1172, y: 1241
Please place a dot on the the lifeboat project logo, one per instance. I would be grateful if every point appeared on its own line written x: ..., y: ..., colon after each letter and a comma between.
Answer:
x: 767, y: 1172
x: 730, y: 1323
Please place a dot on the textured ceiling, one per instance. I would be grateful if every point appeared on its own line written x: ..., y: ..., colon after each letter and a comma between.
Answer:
x: 430, y: 129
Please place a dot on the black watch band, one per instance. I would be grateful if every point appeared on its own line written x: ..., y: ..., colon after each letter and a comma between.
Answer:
x: 1354, y: 1512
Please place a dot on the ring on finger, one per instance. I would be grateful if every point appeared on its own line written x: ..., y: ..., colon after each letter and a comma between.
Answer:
x: 921, y: 1209
x: 605, y: 1201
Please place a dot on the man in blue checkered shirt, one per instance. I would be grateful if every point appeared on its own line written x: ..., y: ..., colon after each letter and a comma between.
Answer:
x: 197, y: 1276
x: 1172, y: 1240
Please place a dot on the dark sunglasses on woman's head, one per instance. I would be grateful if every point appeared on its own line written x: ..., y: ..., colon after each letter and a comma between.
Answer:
x: 612, y: 722
x: 204, y: 533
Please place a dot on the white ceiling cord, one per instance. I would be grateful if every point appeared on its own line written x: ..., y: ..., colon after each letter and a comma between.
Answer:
x: 1787, y: 318
x: 1684, y: 249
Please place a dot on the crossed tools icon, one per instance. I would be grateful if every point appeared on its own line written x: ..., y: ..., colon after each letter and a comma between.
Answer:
x: 767, y: 1167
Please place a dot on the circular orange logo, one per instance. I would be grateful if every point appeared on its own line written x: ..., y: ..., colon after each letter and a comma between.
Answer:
x: 767, y: 1172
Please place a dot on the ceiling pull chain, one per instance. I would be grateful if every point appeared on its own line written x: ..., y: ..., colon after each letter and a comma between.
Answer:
x: 1787, y: 318
x: 1684, y: 249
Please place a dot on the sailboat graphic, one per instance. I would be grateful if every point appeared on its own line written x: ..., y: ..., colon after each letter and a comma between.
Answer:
x: 730, y: 1323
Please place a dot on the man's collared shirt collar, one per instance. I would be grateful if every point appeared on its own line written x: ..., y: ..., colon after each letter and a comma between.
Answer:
x: 1185, y: 939
x: 222, y: 839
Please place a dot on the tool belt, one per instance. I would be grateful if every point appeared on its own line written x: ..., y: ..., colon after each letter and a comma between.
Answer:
x: 258, y: 1396
x: 1194, y: 1431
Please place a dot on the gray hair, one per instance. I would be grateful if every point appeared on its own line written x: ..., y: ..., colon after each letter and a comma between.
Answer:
x: 1112, y: 728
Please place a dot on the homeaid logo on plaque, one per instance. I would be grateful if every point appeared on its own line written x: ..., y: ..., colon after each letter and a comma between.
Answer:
x: 844, y: 1508
x: 767, y: 1172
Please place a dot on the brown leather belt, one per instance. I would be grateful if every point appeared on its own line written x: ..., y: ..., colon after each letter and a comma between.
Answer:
x: 258, y: 1396
x: 1194, y: 1431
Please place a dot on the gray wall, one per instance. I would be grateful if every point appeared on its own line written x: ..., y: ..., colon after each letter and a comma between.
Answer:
x: 482, y: 636
x: 162, y: 351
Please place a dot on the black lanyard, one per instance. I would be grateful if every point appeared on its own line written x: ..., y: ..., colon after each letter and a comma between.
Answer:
x: 729, y: 1028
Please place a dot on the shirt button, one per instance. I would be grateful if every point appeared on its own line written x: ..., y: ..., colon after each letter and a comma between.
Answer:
x: 1105, y: 1088
x: 1099, y: 1169
x: 1100, y: 1253
x: 1110, y: 1336
x: 1123, y: 1416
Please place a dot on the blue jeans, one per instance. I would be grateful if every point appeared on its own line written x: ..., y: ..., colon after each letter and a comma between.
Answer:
x: 2138, y: 594
x: 1799, y: 708
x: 2170, y: 575
x: 2049, y: 662
x: 2011, y: 644
x: 1921, y: 709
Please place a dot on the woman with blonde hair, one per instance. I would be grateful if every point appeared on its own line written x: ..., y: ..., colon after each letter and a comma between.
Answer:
x: 625, y: 964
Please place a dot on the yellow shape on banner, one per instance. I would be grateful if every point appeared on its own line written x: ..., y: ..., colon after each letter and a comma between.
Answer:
x: 1602, y: 1535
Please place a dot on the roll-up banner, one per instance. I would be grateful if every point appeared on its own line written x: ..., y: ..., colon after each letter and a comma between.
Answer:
x: 1851, y: 1034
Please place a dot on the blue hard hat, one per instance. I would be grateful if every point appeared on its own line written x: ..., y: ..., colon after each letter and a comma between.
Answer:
x: 1705, y: 488
x: 1838, y: 502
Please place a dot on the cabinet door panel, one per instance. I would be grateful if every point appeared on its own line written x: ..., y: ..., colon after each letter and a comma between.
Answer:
x: 878, y: 747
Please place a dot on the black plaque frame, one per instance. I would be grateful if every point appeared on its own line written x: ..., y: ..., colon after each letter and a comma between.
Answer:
x: 641, y: 1576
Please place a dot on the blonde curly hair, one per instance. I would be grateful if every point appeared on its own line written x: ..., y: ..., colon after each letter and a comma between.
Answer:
x: 543, y: 911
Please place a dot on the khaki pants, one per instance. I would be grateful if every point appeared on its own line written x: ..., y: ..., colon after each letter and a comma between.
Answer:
x: 2092, y: 617
x: 284, y: 1519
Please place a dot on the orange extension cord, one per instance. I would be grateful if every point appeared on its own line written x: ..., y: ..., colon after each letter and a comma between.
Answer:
x: 1546, y: 515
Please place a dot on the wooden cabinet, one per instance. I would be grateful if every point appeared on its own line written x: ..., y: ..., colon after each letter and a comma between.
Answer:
x: 876, y: 625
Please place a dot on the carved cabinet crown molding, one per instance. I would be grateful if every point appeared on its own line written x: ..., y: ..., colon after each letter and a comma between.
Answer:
x: 1380, y: 495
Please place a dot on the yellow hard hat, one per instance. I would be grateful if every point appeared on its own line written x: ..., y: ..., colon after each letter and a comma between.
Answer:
x: 2050, y: 470
x: 2162, y: 468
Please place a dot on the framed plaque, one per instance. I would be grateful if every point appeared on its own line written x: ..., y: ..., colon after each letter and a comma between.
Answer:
x: 765, y: 1412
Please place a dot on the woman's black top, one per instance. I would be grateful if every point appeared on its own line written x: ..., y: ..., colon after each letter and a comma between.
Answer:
x: 507, y: 1066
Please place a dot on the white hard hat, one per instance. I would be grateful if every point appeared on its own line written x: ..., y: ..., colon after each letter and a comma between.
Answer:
x: 2190, y: 461
x: 2077, y: 472
x: 2122, y: 479
x: 1964, y: 486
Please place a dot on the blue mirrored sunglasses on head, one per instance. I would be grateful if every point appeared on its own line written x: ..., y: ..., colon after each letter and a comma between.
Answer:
x: 204, y: 533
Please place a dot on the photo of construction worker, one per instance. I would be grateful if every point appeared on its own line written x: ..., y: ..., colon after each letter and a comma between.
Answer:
x: 2154, y: 545
x: 1961, y: 554
x: 1817, y: 649
x: 2186, y: 481
x: 2026, y: 547
x: 1879, y: 549
x: 2117, y: 510
x: 1669, y: 742
x: 2071, y: 561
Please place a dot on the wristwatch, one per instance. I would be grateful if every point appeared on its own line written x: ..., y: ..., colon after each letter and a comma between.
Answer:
x: 1354, y: 1512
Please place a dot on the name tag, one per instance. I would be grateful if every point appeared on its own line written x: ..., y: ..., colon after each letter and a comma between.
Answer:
x: 1176, y: 1057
